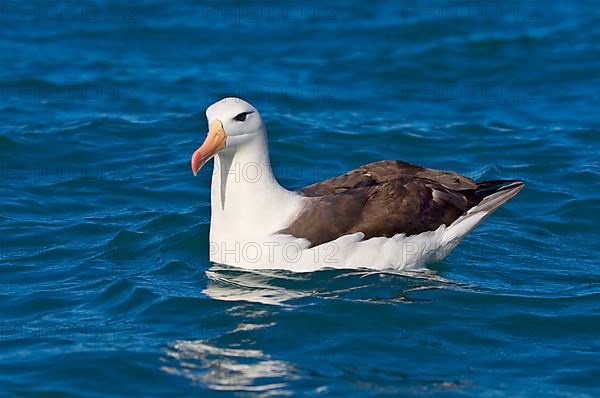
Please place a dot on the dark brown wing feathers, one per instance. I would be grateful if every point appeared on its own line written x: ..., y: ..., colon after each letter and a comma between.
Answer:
x: 384, y: 199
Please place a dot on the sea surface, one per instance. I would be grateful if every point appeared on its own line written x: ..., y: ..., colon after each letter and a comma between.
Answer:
x: 105, y: 284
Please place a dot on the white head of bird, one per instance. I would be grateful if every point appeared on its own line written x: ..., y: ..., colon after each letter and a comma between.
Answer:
x: 233, y: 124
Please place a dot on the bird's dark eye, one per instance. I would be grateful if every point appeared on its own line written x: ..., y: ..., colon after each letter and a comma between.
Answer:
x: 242, y: 116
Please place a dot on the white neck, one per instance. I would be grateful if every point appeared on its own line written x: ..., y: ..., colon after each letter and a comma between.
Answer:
x: 246, y: 199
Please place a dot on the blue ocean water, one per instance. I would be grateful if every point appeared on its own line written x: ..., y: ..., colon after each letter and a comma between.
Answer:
x: 105, y: 284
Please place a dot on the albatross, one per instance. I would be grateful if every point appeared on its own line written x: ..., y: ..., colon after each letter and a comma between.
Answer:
x: 384, y: 215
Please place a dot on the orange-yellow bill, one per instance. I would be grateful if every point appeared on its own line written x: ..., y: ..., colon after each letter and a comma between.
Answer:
x: 214, y: 142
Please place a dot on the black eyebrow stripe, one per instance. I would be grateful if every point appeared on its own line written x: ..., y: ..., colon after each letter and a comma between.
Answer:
x: 243, y: 113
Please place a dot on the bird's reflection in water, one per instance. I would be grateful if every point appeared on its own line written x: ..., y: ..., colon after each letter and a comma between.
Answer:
x: 238, y: 357
x: 282, y: 288
x: 230, y: 369
x: 231, y: 359
x: 254, y: 286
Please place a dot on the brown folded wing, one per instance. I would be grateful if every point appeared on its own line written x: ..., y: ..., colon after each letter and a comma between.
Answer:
x: 382, y: 199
